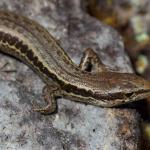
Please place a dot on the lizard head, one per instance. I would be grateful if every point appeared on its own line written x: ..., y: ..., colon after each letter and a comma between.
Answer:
x: 127, y: 88
x: 113, y: 88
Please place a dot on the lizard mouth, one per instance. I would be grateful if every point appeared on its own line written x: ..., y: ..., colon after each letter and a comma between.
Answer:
x: 141, y: 94
x: 128, y: 97
x: 135, y: 96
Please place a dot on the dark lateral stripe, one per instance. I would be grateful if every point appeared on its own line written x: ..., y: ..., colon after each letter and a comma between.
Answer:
x: 73, y: 89
x: 24, y: 49
x: 7, y: 38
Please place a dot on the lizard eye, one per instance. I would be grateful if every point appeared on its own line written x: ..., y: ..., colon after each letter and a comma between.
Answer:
x: 129, y: 94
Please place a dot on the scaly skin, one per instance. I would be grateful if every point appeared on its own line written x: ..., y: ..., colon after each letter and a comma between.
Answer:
x: 31, y: 43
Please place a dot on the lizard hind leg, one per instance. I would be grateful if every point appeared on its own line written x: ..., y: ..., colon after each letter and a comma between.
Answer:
x: 50, y: 93
x: 91, y: 62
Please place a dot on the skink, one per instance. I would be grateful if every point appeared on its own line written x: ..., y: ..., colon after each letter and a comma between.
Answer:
x: 91, y: 82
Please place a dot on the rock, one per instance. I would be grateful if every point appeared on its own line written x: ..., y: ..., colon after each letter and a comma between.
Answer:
x: 75, y: 126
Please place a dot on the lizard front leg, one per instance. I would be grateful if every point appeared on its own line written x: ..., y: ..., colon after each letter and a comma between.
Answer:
x: 91, y: 62
x: 50, y: 92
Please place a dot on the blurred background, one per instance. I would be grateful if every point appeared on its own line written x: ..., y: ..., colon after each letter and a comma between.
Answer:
x: 131, y: 18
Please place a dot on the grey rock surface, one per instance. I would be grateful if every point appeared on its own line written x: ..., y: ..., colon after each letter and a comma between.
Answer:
x: 75, y: 126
